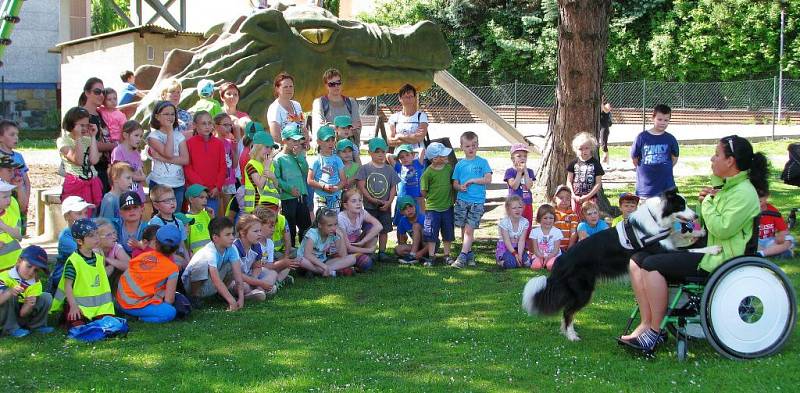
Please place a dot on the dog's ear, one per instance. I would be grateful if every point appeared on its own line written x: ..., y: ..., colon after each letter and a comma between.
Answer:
x: 671, y: 192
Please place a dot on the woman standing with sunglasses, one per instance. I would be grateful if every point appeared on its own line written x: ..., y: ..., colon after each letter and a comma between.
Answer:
x: 326, y: 108
x: 91, y: 98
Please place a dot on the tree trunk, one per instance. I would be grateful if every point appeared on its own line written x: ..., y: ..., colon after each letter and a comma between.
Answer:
x: 582, y: 42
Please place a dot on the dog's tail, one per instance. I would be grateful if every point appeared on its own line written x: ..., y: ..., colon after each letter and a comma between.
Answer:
x: 541, y: 296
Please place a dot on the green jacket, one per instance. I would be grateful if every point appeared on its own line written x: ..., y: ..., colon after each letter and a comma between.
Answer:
x: 728, y: 218
x: 291, y: 171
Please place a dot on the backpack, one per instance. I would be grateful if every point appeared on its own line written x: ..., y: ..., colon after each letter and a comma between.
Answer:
x: 791, y: 171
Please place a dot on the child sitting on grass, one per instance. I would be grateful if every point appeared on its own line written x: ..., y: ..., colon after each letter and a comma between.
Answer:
x: 164, y: 202
x: 773, y: 233
x: 511, y: 251
x: 272, y: 260
x: 591, y: 223
x: 258, y: 281
x: 628, y: 203
x: 566, y: 219
x: 409, y: 227
x: 147, y: 290
x: 115, y: 256
x: 23, y: 304
x: 147, y: 242
x: 280, y: 235
x: 214, y: 267
x: 319, y: 242
x: 520, y: 181
x: 359, y: 227
x: 545, y: 238
x: 84, y: 286
x: 73, y: 208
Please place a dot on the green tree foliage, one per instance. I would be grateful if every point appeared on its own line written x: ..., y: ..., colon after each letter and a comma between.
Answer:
x: 105, y: 19
x: 498, y: 41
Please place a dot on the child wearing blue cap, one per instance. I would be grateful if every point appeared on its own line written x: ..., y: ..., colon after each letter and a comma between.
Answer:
x: 84, y: 286
x: 205, y: 90
x: 147, y: 289
x: 436, y: 187
x: 23, y: 304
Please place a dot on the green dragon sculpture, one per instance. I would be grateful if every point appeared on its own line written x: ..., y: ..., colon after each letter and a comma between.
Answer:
x: 303, y: 41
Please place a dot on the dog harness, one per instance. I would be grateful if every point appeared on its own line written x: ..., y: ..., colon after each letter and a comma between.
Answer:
x: 630, y: 241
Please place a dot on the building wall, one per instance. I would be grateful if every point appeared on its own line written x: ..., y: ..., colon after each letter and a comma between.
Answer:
x: 160, y: 44
x: 27, y: 59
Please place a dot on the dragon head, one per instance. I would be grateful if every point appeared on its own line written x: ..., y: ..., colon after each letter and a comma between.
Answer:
x: 305, y: 41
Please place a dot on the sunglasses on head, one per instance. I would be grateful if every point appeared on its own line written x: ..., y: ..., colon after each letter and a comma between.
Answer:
x: 334, y: 83
x: 97, y: 92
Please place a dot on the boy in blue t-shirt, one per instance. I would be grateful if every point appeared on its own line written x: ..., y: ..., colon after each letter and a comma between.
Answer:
x: 410, y: 171
x: 470, y: 178
x: 327, y: 177
x: 654, y: 153
x: 409, y: 227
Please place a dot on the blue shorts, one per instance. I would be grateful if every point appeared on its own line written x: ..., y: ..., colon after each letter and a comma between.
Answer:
x: 436, y: 222
x: 467, y: 213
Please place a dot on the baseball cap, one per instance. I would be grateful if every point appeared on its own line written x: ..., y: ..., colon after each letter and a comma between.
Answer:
x: 344, y: 144
x: 82, y: 227
x: 5, y: 187
x: 264, y: 138
x: 194, y: 190
x: 326, y: 132
x: 437, y: 149
x: 627, y: 196
x: 404, y: 201
x: 519, y: 147
x: 342, y: 121
x: 35, y: 255
x: 168, y: 235
x: 74, y: 203
x: 560, y: 188
x: 377, y: 143
x: 292, y: 131
x: 403, y: 148
x: 185, y: 219
x: 253, y: 127
x: 129, y: 198
x: 7, y: 162
x: 205, y: 88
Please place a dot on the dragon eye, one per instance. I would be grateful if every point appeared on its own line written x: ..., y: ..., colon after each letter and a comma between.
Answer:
x: 317, y: 36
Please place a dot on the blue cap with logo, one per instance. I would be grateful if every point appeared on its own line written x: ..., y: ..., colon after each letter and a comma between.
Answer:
x: 35, y: 255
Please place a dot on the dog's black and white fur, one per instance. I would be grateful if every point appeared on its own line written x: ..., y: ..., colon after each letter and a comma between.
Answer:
x: 606, y: 255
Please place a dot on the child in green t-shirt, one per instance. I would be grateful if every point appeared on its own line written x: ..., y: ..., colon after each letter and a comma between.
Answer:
x: 437, y: 189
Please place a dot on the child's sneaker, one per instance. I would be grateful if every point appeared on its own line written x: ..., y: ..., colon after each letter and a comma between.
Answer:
x: 460, y: 262
x: 427, y: 262
x: 289, y: 280
x: 471, y: 259
x: 19, y: 333
x: 448, y: 260
x: 381, y: 256
x: 44, y: 330
x: 406, y: 259
x: 256, y: 295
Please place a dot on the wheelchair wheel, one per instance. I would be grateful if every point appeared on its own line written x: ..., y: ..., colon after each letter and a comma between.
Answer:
x: 748, y: 309
x: 682, y: 347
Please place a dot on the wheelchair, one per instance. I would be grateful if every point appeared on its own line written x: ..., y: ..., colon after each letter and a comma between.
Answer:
x: 746, y: 309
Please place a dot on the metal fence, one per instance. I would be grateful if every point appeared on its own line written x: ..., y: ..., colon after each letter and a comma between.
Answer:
x: 753, y: 101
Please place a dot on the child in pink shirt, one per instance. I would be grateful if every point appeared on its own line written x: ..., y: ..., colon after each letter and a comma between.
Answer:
x: 112, y: 116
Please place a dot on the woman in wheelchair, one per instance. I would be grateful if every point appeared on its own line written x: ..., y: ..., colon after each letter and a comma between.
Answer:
x: 727, y: 210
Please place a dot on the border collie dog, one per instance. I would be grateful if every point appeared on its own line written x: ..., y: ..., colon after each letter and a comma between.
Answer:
x: 658, y: 225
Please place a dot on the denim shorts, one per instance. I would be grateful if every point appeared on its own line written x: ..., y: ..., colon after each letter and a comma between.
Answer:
x: 436, y: 222
x: 467, y: 213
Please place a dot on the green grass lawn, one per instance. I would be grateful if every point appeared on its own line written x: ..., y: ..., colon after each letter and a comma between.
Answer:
x: 396, y: 328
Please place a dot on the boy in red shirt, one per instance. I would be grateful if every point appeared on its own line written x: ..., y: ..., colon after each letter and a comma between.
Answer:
x: 773, y: 233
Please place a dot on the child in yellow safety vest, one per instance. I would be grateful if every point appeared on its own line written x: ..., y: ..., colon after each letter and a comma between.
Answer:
x: 260, y: 183
x: 23, y: 304
x: 198, y: 229
x: 10, y: 224
x: 84, y: 285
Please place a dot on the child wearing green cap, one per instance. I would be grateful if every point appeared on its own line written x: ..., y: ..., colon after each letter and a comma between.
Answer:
x: 345, y: 131
x: 291, y: 170
x: 327, y: 176
x: 409, y: 226
x: 348, y: 152
x: 378, y: 184
x: 410, y: 169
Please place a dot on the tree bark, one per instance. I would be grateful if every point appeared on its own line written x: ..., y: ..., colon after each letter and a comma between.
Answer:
x: 582, y: 43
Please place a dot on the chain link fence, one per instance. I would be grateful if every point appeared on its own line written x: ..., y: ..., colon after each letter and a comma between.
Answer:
x: 740, y: 102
